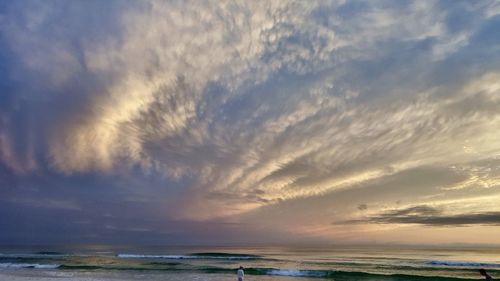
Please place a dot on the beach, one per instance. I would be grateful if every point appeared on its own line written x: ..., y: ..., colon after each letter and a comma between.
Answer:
x: 381, y: 263
x: 44, y: 275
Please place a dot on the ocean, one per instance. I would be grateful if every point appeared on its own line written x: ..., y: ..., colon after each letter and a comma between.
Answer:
x: 271, y: 263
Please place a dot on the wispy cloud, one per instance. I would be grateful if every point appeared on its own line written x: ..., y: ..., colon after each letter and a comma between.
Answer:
x: 47, y: 203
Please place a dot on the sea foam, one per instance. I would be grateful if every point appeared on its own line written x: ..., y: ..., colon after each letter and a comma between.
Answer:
x: 296, y: 273
x: 463, y: 263
x: 29, y: 265
x: 187, y: 257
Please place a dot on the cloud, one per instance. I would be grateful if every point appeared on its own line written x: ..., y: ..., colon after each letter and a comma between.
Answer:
x: 362, y: 207
x: 430, y: 216
x: 224, y: 110
x: 47, y: 203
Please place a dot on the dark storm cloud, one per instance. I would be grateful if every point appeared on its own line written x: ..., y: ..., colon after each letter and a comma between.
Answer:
x: 362, y: 207
x: 430, y: 216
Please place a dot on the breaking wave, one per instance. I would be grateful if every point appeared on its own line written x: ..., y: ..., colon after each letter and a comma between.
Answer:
x: 463, y: 263
x: 29, y: 265
x: 220, y: 256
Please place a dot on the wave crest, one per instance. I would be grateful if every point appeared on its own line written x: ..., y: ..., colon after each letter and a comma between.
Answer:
x: 220, y: 256
x: 463, y: 263
x: 29, y: 265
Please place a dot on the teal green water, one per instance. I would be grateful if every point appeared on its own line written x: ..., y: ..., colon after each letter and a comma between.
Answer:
x: 381, y: 263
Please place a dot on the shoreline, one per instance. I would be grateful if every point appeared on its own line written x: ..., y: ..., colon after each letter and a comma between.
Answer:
x: 54, y: 275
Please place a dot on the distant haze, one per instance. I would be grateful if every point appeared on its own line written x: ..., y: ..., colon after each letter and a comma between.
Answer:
x: 214, y: 122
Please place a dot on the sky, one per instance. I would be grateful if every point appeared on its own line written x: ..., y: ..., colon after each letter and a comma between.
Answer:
x: 240, y: 122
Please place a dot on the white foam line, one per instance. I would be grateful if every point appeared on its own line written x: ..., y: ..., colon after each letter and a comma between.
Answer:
x: 180, y: 257
x: 29, y: 265
x: 462, y: 263
x: 295, y: 272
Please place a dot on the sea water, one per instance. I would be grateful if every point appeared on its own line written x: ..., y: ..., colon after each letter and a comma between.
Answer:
x: 341, y: 263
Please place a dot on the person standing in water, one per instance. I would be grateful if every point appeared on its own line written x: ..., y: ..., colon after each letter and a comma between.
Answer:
x: 485, y: 275
x: 241, y: 274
